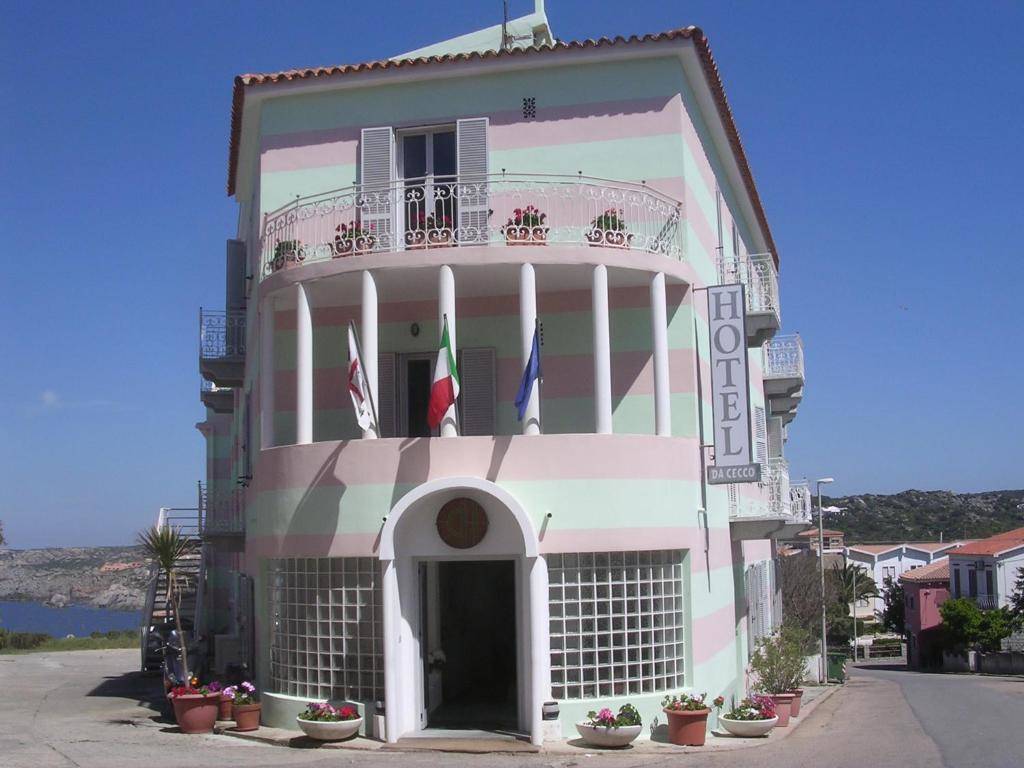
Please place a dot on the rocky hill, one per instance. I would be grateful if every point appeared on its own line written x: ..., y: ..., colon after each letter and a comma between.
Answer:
x: 924, y: 515
x: 103, y: 577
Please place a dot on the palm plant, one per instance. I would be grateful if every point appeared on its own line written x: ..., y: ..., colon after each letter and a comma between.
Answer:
x: 165, y: 546
x: 853, y: 583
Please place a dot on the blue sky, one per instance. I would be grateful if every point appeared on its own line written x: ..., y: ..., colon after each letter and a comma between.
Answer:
x: 884, y: 139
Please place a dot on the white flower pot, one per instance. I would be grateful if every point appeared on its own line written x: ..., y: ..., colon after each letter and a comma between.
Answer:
x: 324, y: 730
x: 748, y: 728
x: 600, y: 736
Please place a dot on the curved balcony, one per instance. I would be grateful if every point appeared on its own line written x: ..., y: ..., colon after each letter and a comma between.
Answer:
x: 493, y: 210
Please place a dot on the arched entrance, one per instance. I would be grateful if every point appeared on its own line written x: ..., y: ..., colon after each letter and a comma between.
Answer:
x: 442, y: 544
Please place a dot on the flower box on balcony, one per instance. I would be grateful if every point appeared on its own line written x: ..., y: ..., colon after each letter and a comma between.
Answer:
x: 352, y: 240
x: 287, y: 252
x: 609, y: 230
x: 526, y: 235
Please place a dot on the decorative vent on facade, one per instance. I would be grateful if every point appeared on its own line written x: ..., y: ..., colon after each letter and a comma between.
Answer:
x: 529, y: 107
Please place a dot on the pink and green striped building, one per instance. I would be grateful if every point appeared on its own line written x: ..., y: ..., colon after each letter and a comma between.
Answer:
x: 465, y: 577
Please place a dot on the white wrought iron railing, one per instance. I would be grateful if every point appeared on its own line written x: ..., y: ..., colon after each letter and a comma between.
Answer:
x: 496, y: 209
x: 800, y: 502
x: 220, y: 512
x: 986, y: 602
x: 221, y: 334
x: 783, y: 357
x: 760, y: 278
x: 775, y: 477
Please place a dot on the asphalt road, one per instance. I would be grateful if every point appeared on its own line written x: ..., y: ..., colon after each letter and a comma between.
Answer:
x: 89, y: 709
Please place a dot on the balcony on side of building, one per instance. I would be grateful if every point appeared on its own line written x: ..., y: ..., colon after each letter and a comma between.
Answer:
x: 782, y: 362
x: 218, y: 399
x: 760, y: 280
x: 485, y: 210
x: 221, y: 518
x: 984, y: 602
x: 222, y: 347
x: 784, y: 512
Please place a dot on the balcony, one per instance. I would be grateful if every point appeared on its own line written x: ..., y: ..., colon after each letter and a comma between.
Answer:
x: 493, y: 210
x: 761, y: 283
x: 222, y: 347
x: 786, y: 510
x: 221, y: 518
x: 800, y: 502
x: 782, y: 360
x: 219, y: 399
x: 985, y: 602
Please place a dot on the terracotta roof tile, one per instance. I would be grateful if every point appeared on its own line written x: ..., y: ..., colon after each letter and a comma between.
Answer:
x: 874, y: 549
x: 994, y: 544
x: 692, y: 33
x: 938, y: 571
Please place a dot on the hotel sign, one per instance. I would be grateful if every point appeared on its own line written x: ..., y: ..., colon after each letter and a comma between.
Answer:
x: 730, y: 387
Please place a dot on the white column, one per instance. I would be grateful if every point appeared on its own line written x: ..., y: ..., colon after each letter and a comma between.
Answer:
x: 392, y: 652
x: 659, y: 328
x: 446, y: 308
x: 540, y: 646
x: 369, y: 342
x: 527, y: 325
x: 303, y: 367
x: 267, y: 374
x: 602, y: 353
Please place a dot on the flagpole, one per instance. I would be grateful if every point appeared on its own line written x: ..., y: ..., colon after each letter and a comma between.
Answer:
x: 369, y: 388
x: 455, y: 362
x: 540, y: 375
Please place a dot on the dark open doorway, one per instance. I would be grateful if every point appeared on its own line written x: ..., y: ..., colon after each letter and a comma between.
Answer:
x: 478, y: 635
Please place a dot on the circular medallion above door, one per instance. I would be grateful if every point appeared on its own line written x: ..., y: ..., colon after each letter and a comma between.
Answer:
x: 462, y: 523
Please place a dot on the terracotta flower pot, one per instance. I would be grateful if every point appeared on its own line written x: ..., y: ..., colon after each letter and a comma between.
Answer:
x: 609, y: 238
x: 224, y: 708
x: 783, y: 706
x: 441, y: 239
x: 687, y: 728
x: 246, y: 716
x: 415, y: 239
x: 526, y: 236
x: 196, y: 713
x: 794, y: 708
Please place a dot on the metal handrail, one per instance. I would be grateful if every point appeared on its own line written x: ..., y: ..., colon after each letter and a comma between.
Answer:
x: 221, y: 334
x: 759, y: 276
x: 783, y: 357
x: 433, y: 212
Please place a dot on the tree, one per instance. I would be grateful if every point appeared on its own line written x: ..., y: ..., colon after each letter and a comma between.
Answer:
x: 853, y: 583
x: 165, y: 547
x: 961, y: 620
x: 801, y: 591
x: 893, y: 616
x: 994, y: 626
x: 1017, y: 601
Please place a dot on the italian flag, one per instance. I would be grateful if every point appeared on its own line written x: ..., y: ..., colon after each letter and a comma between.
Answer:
x: 445, y: 388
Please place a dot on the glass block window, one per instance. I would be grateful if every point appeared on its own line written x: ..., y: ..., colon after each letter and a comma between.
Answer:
x: 616, y: 623
x: 327, y: 637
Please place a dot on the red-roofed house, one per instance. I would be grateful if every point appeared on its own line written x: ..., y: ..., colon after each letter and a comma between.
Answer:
x: 925, y: 589
x: 986, y: 570
x: 891, y: 561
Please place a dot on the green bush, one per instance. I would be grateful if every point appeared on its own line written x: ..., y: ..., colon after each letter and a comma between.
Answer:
x: 778, y: 663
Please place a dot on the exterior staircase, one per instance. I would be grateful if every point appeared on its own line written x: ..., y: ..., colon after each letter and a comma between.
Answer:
x: 191, y: 576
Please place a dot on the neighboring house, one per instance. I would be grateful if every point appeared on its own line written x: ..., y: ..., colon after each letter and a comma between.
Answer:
x: 890, y: 561
x: 808, y: 540
x: 925, y: 589
x: 576, y: 555
x: 986, y: 570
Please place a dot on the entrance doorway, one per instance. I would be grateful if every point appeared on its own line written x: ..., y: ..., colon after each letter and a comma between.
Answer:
x: 476, y: 628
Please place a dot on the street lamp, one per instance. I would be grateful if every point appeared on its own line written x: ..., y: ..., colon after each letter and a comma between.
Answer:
x: 821, y: 570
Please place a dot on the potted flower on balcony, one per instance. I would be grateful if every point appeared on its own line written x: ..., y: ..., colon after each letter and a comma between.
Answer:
x: 195, y: 707
x: 352, y: 239
x: 753, y: 717
x: 609, y: 229
x: 434, y: 231
x: 287, y: 252
x: 606, y: 729
x: 778, y: 664
x: 245, y: 710
x: 526, y: 227
x: 687, y: 719
x: 325, y: 722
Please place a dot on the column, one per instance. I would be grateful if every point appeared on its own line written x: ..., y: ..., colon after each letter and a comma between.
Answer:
x: 267, y: 374
x: 303, y: 367
x: 602, y: 353
x: 659, y: 329
x: 446, y: 308
x: 540, y: 646
x: 392, y: 652
x: 369, y: 343
x: 527, y: 325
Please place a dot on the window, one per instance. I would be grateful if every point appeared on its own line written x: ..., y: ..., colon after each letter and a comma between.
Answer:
x: 427, y: 163
x: 972, y: 582
x: 888, y: 572
x: 989, y: 586
x: 956, y: 582
x: 617, y: 623
x: 910, y: 601
x: 326, y: 636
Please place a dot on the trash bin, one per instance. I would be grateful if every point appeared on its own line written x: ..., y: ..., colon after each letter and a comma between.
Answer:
x: 836, y: 667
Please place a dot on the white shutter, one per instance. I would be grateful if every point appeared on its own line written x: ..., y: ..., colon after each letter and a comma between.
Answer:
x: 386, y: 409
x: 775, y: 437
x: 471, y: 139
x: 376, y: 173
x: 760, y: 436
x: 476, y: 391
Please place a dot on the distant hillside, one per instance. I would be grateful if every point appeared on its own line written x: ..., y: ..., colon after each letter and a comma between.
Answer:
x: 924, y: 515
x: 104, y: 577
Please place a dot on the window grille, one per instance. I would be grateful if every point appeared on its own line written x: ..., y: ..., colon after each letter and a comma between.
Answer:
x: 327, y: 628
x: 529, y: 107
x: 617, y: 623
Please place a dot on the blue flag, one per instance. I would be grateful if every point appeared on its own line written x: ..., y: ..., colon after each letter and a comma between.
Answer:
x: 530, y: 375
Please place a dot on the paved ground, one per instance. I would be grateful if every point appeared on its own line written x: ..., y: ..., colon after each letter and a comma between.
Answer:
x: 86, y: 708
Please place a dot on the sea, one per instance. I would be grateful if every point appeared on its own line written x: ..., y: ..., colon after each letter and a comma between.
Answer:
x: 77, y: 620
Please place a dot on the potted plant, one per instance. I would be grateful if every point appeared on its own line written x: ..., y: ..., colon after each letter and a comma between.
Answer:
x: 526, y: 227
x: 224, y: 703
x: 245, y: 710
x: 751, y: 718
x: 195, y: 707
x: 285, y: 252
x: 687, y: 719
x: 606, y: 729
x: 434, y: 231
x: 609, y: 229
x: 778, y: 663
x: 351, y: 239
x: 324, y: 722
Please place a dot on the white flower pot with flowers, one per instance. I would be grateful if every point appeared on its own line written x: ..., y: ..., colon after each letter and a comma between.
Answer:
x: 325, y: 722
x: 752, y: 718
x: 606, y: 729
